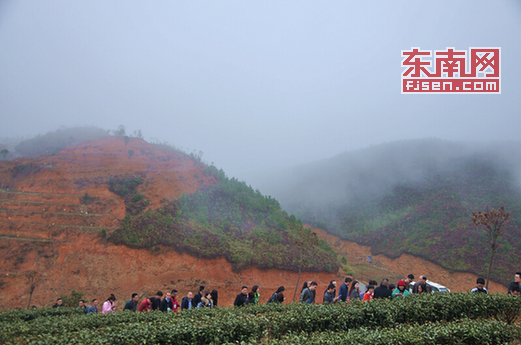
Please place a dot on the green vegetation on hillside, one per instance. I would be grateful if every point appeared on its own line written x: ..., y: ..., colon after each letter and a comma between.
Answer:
x: 418, y: 319
x: 127, y: 189
x: 431, y: 219
x: 26, y: 169
x: 228, y: 219
x: 415, y: 197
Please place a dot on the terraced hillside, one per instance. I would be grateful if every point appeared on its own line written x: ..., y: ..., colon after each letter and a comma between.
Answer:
x: 46, y: 215
x: 53, y: 201
x: 70, y: 190
x: 119, y: 215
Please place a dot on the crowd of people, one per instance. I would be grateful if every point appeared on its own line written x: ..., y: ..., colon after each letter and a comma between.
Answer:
x: 202, y: 299
x: 349, y: 290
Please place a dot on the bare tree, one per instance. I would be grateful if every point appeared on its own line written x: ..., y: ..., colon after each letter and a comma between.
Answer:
x: 495, y: 223
x: 32, y: 279
x: 307, y: 240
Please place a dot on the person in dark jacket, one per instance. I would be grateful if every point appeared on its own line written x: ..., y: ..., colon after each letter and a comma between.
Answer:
x: 308, y: 294
x: 273, y: 297
x: 167, y: 304
x: 241, y: 298
x: 132, y: 303
x: 517, y: 280
x: 329, y: 295
x: 175, y: 303
x: 215, y: 296
x: 197, y: 297
x: 156, y: 301
x: 332, y: 282
x: 383, y: 291
x: 59, y: 303
x: 188, y: 302
x: 343, y: 292
x: 251, y: 298
x: 480, y: 286
x: 355, y: 291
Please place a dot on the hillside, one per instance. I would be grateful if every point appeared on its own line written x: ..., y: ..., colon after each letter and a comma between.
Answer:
x: 228, y: 219
x: 97, y: 219
x: 412, y: 197
x: 94, y: 216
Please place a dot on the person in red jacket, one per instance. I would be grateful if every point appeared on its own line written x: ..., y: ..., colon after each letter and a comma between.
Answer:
x: 368, y: 295
x: 175, y: 304
x: 144, y: 306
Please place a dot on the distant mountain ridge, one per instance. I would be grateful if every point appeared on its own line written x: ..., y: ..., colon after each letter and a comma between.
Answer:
x: 412, y: 196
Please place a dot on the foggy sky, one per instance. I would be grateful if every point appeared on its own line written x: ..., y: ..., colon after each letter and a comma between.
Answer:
x: 252, y: 84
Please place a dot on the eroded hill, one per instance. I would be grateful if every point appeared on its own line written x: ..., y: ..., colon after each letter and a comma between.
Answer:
x: 97, y: 216
x: 75, y: 220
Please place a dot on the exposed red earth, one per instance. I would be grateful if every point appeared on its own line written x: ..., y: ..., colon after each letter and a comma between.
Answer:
x: 406, y: 264
x: 45, y: 227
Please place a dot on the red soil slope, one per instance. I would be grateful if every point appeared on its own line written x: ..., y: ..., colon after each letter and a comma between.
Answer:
x: 85, y: 263
x: 46, y: 200
x: 45, y: 228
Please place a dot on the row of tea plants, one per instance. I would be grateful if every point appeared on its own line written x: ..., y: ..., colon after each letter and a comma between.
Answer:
x: 427, y: 319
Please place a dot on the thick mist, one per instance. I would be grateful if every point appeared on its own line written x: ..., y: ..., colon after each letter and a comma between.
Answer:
x: 252, y: 85
x: 372, y: 172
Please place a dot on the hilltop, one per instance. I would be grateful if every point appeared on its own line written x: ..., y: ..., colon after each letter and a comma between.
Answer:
x: 413, y: 197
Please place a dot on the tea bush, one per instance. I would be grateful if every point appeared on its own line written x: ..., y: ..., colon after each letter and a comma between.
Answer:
x: 483, y: 332
x: 425, y: 319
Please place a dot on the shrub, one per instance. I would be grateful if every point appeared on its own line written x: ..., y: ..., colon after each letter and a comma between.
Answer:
x: 73, y: 299
x: 136, y: 197
x: 457, y: 332
x: 126, y: 187
x: 468, y: 319
x: 26, y: 169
